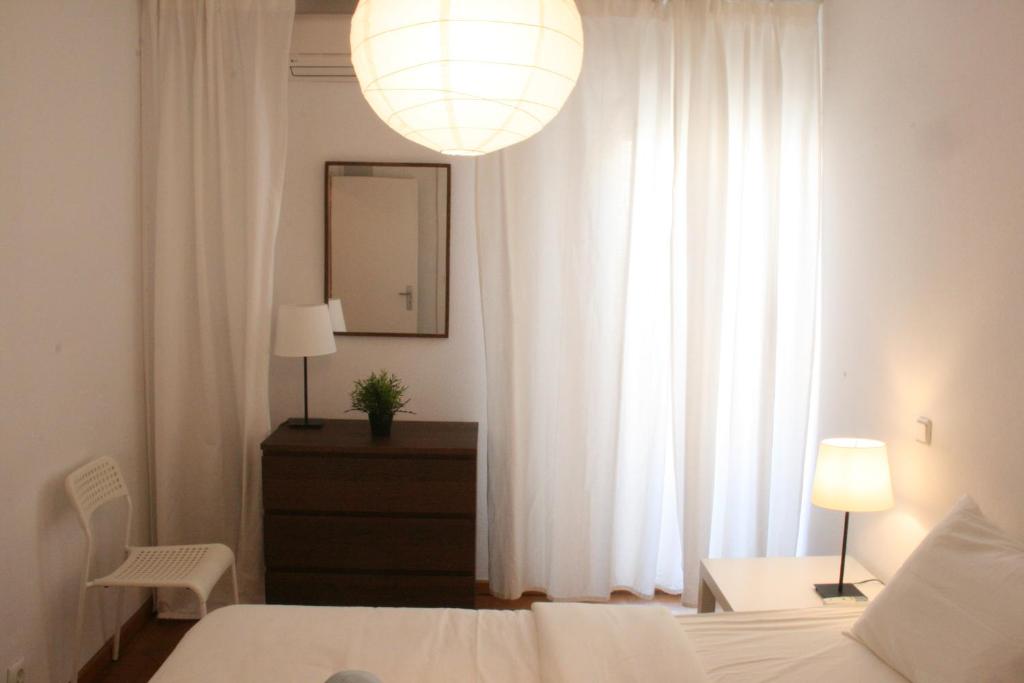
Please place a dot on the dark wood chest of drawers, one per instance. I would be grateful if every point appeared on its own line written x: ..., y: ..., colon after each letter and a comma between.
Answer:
x: 354, y: 520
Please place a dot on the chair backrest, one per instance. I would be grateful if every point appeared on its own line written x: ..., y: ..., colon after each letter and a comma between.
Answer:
x: 92, y: 485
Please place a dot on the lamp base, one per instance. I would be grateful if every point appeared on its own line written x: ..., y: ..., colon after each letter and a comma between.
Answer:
x: 302, y: 423
x: 830, y: 591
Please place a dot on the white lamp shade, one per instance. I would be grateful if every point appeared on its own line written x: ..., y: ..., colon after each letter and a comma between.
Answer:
x: 852, y: 475
x: 466, y: 77
x: 337, y: 315
x: 304, y: 331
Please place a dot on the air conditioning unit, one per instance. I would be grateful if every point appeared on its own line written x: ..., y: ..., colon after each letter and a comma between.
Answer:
x: 320, y: 48
x: 323, y: 66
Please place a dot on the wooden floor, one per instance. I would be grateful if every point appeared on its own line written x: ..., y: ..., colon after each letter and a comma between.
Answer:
x: 143, y: 655
x: 671, y: 602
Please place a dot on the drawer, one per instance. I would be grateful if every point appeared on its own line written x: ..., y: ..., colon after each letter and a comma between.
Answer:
x: 393, y: 485
x: 371, y: 590
x: 370, y: 544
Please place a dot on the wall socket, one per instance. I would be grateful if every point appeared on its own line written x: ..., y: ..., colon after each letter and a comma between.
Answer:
x: 16, y: 672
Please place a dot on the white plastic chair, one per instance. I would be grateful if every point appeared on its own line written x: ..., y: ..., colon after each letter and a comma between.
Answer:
x: 195, y: 567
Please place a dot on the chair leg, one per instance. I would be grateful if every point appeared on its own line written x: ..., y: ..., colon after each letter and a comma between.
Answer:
x: 118, y: 623
x: 79, y: 619
x: 234, y: 582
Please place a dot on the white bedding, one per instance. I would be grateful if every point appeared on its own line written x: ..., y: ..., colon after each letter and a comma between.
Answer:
x: 281, y: 644
x: 612, y: 643
x: 277, y: 644
x: 792, y: 645
x: 560, y: 642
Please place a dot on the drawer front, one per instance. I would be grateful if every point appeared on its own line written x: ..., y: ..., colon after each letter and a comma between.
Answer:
x: 369, y: 544
x: 393, y: 485
x: 370, y: 590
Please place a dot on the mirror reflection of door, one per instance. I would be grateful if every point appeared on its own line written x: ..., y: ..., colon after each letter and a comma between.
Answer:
x: 387, y: 238
x: 376, y: 226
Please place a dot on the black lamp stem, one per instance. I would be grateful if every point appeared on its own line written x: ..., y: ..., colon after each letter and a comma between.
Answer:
x: 305, y: 420
x: 842, y: 560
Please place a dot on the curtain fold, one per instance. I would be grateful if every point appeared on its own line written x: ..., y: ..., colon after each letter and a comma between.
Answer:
x: 214, y: 136
x: 649, y: 271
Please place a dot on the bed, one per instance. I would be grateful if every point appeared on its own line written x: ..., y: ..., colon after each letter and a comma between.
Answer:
x: 950, y: 613
x: 551, y: 642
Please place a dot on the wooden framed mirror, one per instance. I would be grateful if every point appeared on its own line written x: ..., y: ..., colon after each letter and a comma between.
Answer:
x: 387, y: 230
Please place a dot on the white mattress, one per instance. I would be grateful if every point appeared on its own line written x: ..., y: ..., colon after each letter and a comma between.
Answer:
x: 792, y: 645
x: 281, y: 643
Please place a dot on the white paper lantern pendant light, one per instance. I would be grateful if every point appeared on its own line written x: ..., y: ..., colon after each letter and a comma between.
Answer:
x: 467, y: 77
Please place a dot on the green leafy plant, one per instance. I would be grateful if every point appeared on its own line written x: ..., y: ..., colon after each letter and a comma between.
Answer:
x: 382, y: 393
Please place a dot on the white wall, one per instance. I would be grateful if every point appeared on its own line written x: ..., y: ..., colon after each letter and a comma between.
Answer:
x: 70, y: 307
x: 924, y: 257
x: 332, y: 122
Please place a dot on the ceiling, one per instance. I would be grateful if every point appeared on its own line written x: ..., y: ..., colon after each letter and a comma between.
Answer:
x: 325, y: 6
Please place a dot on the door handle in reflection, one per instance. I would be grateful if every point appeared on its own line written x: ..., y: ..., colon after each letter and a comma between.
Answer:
x: 408, y: 297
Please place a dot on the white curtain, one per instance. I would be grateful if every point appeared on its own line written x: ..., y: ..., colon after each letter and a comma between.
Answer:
x: 214, y: 122
x: 649, y: 267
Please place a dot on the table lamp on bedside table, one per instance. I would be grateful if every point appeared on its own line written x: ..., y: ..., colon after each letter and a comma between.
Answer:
x: 852, y: 475
x: 304, y: 331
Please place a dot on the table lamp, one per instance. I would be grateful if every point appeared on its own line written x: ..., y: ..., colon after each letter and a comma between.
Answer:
x: 852, y: 475
x: 304, y: 331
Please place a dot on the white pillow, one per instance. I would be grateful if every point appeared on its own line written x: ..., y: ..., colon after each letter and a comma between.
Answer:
x: 955, y: 610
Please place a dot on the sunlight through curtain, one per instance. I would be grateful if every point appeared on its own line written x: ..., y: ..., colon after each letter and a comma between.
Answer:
x: 649, y: 269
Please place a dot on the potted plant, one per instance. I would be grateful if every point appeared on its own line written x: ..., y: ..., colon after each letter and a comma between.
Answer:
x: 380, y: 396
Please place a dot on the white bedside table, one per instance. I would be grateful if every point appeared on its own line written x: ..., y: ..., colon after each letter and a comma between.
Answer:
x: 767, y: 583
